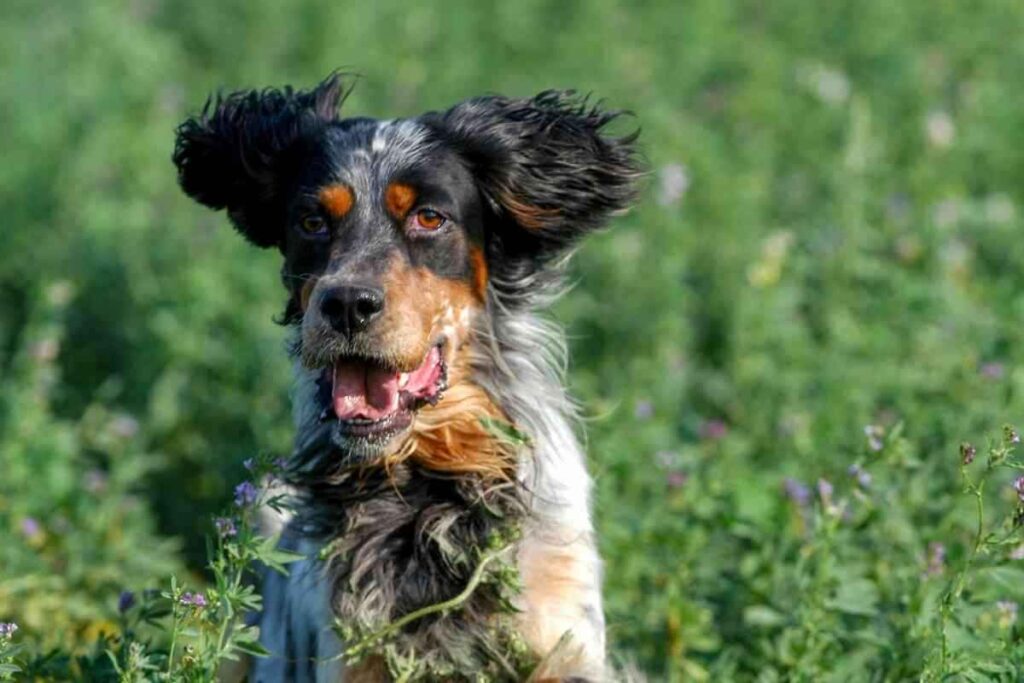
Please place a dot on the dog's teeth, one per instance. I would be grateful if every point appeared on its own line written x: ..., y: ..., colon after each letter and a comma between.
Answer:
x: 403, y: 379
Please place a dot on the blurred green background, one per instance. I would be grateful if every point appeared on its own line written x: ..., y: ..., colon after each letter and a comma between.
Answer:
x: 825, y: 270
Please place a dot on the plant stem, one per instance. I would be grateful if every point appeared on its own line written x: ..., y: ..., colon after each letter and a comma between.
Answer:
x: 443, y: 606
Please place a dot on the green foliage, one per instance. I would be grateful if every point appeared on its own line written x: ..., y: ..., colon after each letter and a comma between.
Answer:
x: 825, y: 272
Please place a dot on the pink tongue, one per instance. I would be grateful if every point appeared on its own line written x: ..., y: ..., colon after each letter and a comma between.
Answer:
x: 362, y: 391
x: 368, y: 392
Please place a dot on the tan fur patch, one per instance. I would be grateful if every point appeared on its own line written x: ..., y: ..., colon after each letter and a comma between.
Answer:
x: 399, y: 198
x: 530, y: 217
x: 559, y: 586
x: 476, y: 256
x: 337, y: 200
x: 417, y: 305
x: 453, y: 435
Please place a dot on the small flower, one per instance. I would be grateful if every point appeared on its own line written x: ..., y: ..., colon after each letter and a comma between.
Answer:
x: 225, y: 527
x: 95, y: 481
x: 796, y: 491
x: 643, y: 410
x: 1007, y: 613
x: 677, y: 479
x: 45, y: 350
x: 825, y: 491
x: 936, y: 558
x: 193, y: 599
x: 667, y: 459
x: 1017, y: 553
x: 125, y: 601
x: 992, y: 370
x: 7, y: 629
x: 59, y: 293
x: 940, y: 129
x: 280, y: 463
x: 245, y: 494
x: 248, y: 464
x: 124, y: 426
x: 1018, y: 486
x: 875, y: 434
x: 862, y: 476
x: 673, y: 181
x: 999, y: 208
x: 1011, y: 436
x: 967, y: 453
x: 830, y: 85
x: 712, y: 430
x: 31, y: 528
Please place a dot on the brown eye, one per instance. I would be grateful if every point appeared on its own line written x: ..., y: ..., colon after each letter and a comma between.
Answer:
x: 314, y: 225
x: 428, y: 219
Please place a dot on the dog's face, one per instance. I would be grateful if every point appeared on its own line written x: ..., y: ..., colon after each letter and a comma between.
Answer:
x: 395, y: 233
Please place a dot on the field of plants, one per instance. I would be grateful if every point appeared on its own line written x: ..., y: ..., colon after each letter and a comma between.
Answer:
x: 799, y: 357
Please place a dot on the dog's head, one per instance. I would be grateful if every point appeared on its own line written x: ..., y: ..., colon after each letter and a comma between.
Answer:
x: 395, y: 233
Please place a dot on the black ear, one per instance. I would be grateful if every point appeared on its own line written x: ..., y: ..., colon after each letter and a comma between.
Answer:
x: 237, y: 153
x: 546, y: 166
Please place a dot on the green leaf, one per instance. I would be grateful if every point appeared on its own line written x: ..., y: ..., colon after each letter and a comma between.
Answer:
x: 762, y: 616
x: 505, y: 431
x: 856, y: 596
x: 252, y: 647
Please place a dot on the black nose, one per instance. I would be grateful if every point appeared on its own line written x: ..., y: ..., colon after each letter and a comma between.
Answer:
x: 351, y: 309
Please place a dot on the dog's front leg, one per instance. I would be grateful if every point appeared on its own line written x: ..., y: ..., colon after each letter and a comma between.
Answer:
x: 562, y: 619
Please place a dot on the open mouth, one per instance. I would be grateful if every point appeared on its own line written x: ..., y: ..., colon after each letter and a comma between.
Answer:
x: 368, y: 399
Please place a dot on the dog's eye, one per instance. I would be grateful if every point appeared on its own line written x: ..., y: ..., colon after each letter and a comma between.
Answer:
x: 314, y: 225
x: 428, y: 219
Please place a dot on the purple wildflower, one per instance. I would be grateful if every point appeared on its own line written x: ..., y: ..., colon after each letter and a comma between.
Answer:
x: 95, y: 481
x: 7, y: 629
x: 125, y: 601
x: 712, y: 430
x: 280, y: 463
x: 677, y: 479
x: 825, y: 491
x: 643, y: 410
x: 193, y: 599
x: 248, y: 464
x: 31, y: 528
x: 862, y: 476
x: 992, y: 371
x: 936, y: 558
x: 1011, y: 436
x: 1018, y: 486
x: 124, y: 426
x: 967, y: 453
x: 225, y: 527
x: 796, y: 491
x: 875, y: 434
x: 245, y: 494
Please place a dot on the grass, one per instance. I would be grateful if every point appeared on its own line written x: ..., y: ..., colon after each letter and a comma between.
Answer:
x: 825, y: 273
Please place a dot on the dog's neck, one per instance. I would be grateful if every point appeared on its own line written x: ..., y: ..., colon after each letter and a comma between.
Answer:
x: 408, y: 532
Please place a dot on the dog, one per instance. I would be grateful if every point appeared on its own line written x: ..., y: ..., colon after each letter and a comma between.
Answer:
x: 432, y: 423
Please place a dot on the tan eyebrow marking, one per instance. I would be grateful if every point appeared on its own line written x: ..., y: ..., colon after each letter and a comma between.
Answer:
x: 337, y: 199
x: 399, y: 198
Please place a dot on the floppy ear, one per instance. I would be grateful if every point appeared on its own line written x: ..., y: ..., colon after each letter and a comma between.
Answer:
x: 237, y: 152
x: 546, y: 167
